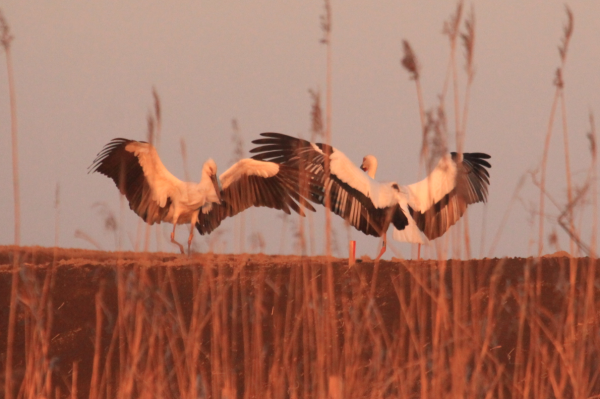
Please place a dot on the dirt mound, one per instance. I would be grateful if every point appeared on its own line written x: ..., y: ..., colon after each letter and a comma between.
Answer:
x: 254, y: 323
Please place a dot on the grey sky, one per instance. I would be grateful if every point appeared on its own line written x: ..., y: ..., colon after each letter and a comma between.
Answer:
x: 85, y: 71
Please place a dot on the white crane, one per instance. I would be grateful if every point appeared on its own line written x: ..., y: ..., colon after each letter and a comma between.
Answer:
x: 157, y: 196
x: 419, y: 212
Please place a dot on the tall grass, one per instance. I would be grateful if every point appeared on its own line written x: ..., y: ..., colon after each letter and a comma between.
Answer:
x: 154, y: 121
x: 330, y: 327
x: 218, y: 327
x: 558, y: 97
x: 239, y: 229
x: 6, y: 39
x: 326, y: 27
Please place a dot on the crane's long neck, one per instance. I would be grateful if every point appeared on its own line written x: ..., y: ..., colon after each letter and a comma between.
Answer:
x: 371, y: 172
x: 210, y: 182
x: 369, y: 165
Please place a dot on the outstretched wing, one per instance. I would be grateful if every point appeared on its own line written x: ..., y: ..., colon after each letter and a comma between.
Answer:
x: 138, y: 172
x: 439, y: 200
x: 366, y: 204
x: 256, y: 183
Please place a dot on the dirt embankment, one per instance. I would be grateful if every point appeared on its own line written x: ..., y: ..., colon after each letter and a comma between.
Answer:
x: 234, y: 303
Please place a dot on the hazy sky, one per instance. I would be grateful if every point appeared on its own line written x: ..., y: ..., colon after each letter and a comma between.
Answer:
x: 85, y: 70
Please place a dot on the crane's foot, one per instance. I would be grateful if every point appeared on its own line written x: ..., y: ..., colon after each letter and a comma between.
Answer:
x: 383, y: 248
x: 180, y: 247
x: 178, y: 244
x: 190, y: 238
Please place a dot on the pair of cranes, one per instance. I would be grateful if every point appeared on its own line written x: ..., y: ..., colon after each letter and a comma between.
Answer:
x: 288, y: 174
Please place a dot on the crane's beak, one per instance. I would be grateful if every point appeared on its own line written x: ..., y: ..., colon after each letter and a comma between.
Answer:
x: 217, y: 184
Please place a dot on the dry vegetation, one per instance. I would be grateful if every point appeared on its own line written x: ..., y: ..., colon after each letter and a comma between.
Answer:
x: 107, y: 325
x: 94, y: 324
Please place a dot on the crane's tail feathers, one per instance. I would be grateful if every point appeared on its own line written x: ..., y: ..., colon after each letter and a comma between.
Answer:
x: 410, y: 233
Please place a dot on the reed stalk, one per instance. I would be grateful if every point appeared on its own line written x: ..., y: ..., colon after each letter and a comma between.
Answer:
x: 6, y: 39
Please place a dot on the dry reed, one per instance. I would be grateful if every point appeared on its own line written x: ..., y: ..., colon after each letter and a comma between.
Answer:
x: 6, y: 39
x: 558, y: 97
x: 220, y: 327
x: 239, y: 229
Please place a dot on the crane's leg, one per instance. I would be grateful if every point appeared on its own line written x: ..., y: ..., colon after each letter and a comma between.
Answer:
x: 383, y: 247
x: 173, y: 238
x: 190, y: 239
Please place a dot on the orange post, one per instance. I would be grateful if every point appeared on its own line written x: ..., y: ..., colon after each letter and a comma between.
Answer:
x: 352, y: 255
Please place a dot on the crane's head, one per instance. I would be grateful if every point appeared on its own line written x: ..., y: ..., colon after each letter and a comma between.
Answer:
x: 209, y: 169
x: 369, y: 165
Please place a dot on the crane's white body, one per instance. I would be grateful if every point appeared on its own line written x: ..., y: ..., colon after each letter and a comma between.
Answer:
x: 186, y: 197
x: 158, y: 196
x: 419, y: 212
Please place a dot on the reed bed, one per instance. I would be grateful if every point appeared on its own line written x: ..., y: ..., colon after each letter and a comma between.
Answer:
x: 145, y: 326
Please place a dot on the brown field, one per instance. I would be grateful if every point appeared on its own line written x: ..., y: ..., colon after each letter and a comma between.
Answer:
x: 161, y: 325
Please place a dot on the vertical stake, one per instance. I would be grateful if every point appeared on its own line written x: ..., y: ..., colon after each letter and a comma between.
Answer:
x: 352, y: 254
